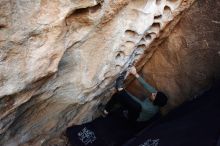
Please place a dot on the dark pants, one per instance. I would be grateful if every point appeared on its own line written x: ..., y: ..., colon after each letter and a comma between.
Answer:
x: 127, y: 103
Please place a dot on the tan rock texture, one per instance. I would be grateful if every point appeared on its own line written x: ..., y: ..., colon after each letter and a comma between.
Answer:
x: 188, y: 62
x: 59, y: 59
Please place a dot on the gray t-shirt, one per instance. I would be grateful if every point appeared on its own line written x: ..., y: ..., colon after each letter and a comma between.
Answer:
x: 148, y: 109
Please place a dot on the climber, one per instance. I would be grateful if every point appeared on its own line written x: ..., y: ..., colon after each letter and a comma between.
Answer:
x: 136, y: 110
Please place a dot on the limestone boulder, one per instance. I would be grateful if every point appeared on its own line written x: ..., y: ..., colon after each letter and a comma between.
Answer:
x: 59, y: 59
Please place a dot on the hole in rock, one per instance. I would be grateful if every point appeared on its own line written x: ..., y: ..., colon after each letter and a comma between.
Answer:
x: 131, y: 33
x: 148, y: 37
x: 140, y: 49
x: 118, y: 68
x: 120, y: 55
x: 167, y: 13
x: 81, y: 11
x: 158, y: 17
x: 2, y: 26
x: 153, y: 35
x: 88, y: 9
x: 83, y: 15
x: 142, y: 46
x: 142, y: 41
x: 155, y: 27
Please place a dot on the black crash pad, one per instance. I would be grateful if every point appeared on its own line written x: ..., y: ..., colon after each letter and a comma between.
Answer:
x: 112, y: 130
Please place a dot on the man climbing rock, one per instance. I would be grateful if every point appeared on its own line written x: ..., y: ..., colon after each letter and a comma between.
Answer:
x: 127, y: 116
x: 136, y: 109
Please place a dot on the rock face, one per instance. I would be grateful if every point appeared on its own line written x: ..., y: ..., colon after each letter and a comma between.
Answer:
x: 188, y: 61
x: 59, y: 59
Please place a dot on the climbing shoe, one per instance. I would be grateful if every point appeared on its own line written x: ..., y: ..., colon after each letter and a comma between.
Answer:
x: 120, y: 80
x: 103, y: 112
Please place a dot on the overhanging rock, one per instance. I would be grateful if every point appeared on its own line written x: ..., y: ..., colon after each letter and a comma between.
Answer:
x: 56, y: 56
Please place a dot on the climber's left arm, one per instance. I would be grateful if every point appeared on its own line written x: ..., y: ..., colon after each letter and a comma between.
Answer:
x: 146, y: 85
x: 142, y: 81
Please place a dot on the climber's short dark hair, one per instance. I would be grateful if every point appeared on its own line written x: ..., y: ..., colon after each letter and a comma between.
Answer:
x: 160, y: 99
